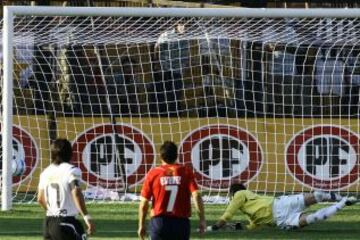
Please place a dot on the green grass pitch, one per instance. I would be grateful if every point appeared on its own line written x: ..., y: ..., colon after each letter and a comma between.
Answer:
x: 119, y: 221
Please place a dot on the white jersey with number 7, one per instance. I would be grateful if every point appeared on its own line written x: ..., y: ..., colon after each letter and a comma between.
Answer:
x: 56, y: 181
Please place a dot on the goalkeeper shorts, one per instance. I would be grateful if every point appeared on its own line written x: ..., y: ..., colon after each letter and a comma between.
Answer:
x: 287, y: 211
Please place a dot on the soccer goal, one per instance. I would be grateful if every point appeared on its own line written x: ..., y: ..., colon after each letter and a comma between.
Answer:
x: 266, y: 97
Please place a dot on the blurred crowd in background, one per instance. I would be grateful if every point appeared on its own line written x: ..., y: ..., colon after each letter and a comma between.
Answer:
x: 208, y: 77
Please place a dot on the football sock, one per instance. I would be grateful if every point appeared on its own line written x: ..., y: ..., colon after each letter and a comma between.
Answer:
x: 325, y: 213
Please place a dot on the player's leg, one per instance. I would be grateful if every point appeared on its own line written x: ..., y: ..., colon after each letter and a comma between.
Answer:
x: 169, y: 228
x: 322, y: 214
x: 46, y: 233
x: 287, y: 210
x: 67, y: 228
x: 179, y: 229
x: 156, y: 228
x: 55, y: 231
x: 79, y: 229
x: 319, y: 196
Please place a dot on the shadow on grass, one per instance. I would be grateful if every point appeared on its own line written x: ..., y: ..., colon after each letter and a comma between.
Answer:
x: 126, y: 229
x: 325, y: 230
x: 120, y: 222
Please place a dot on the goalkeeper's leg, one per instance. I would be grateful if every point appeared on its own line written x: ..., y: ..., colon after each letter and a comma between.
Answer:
x: 320, y: 196
x: 325, y: 213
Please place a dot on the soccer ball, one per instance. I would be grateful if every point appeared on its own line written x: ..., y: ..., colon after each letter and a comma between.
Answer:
x: 18, y: 167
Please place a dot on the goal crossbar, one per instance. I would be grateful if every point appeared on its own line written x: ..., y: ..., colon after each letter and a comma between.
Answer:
x: 182, y: 12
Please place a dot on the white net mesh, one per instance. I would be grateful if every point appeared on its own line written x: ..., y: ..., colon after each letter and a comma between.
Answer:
x: 270, y: 102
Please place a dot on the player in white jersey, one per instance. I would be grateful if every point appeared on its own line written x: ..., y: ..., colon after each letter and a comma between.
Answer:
x: 60, y: 195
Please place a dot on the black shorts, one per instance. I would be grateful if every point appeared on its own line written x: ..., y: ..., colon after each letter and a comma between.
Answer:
x: 172, y: 228
x: 63, y: 228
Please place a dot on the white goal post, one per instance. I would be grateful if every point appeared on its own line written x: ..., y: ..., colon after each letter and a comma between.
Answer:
x: 266, y: 97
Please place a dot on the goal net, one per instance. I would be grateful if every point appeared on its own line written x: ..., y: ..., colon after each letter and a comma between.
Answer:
x: 266, y: 98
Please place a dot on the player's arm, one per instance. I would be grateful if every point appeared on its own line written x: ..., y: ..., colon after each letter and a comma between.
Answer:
x: 197, y: 198
x: 143, y: 210
x: 79, y: 200
x: 156, y: 50
x: 159, y: 41
x: 199, y: 206
x: 41, y: 198
x: 41, y: 193
x: 230, y: 211
x: 145, y: 197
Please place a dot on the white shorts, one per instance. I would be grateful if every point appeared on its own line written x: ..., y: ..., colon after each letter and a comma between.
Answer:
x: 287, y: 211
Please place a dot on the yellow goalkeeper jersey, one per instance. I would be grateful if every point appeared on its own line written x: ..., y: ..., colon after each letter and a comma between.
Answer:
x: 257, y: 208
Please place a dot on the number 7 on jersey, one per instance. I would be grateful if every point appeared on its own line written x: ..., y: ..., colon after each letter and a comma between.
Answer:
x: 173, y: 189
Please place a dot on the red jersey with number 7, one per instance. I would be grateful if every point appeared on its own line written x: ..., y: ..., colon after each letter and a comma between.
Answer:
x: 169, y: 187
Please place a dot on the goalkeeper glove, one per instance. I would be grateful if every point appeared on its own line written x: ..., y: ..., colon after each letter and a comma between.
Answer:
x: 212, y: 228
x: 238, y: 226
x: 229, y: 226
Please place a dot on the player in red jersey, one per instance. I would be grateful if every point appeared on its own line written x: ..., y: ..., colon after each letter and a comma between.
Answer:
x: 170, y: 187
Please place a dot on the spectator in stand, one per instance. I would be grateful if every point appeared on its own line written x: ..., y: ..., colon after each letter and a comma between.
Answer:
x: 96, y: 84
x: 330, y: 74
x: 329, y: 78
x: 352, y: 98
x: 172, y: 51
x: 218, y: 87
x: 126, y: 89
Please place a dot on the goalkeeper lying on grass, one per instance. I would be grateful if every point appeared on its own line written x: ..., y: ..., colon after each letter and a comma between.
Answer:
x: 285, y: 212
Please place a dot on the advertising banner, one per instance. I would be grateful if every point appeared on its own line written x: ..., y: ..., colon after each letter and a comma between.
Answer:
x: 270, y: 155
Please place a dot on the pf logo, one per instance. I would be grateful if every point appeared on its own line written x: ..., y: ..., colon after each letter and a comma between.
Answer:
x: 113, y: 156
x: 324, y: 157
x: 220, y: 155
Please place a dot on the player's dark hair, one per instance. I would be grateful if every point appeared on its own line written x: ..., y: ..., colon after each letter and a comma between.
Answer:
x: 235, y: 187
x: 61, y: 151
x: 168, y: 152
